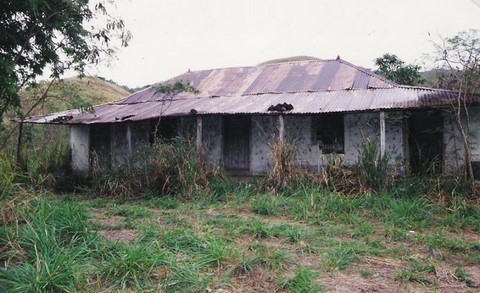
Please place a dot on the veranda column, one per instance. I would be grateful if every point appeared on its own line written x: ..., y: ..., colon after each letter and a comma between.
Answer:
x: 199, y: 132
x: 382, y: 133
x: 281, y: 128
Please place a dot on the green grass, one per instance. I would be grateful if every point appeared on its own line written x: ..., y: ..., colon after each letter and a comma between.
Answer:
x: 293, y: 242
x: 339, y: 258
x: 132, y: 266
x: 303, y: 282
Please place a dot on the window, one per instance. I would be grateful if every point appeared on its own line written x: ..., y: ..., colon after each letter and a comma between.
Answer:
x: 328, y: 133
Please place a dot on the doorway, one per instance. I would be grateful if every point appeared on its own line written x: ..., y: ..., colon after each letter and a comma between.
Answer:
x: 236, y: 143
x: 425, y: 141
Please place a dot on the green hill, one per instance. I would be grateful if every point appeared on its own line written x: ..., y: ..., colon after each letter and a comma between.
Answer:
x: 71, y: 93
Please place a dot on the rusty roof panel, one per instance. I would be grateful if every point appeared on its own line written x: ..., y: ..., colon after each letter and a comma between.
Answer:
x: 326, y: 76
x: 288, y: 77
x: 303, y: 103
x: 140, y: 96
x: 310, y: 86
x: 268, y: 79
x: 361, y: 80
x: 344, y: 77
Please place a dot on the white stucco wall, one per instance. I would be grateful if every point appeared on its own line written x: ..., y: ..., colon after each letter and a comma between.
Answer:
x: 263, y: 130
x: 358, y: 128
x: 395, y: 140
x: 80, y: 147
x: 128, y: 138
x: 298, y: 132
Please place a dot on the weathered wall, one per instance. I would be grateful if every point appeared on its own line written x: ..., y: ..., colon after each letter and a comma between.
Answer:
x: 139, y: 137
x: 120, y: 151
x: 263, y: 130
x: 358, y: 128
x: 127, y: 141
x: 80, y: 147
x: 212, y: 138
x: 298, y: 131
x: 475, y: 132
x: 395, y: 140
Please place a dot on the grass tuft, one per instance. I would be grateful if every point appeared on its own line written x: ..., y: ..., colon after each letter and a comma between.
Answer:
x: 302, y: 282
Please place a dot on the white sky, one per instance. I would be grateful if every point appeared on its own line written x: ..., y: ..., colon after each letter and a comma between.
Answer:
x: 172, y: 36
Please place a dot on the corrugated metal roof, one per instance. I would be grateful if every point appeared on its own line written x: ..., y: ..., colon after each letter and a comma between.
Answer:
x: 319, y: 86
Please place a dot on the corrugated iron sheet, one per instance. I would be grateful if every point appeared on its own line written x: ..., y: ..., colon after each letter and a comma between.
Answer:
x: 289, y: 77
x: 303, y: 103
x: 310, y: 86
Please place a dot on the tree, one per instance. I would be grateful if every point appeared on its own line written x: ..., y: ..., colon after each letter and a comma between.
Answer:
x: 459, y: 56
x: 393, y: 68
x: 57, y: 35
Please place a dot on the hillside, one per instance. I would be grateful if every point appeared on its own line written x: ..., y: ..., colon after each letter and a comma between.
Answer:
x: 73, y: 92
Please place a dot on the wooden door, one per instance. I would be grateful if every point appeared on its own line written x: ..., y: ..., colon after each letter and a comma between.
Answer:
x: 236, y: 142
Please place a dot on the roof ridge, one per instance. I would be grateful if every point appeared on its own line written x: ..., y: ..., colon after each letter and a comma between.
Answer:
x: 293, y: 62
x: 369, y: 72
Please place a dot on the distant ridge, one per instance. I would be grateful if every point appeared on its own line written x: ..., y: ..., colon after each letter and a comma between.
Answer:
x: 290, y: 59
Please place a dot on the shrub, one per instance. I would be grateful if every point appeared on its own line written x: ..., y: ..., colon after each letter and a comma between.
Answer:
x: 372, y: 167
x: 172, y: 168
x: 284, y: 174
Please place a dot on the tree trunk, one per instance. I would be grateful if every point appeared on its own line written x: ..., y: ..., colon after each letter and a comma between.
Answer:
x: 468, y: 151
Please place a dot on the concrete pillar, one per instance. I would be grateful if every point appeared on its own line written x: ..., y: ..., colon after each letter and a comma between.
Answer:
x: 281, y: 128
x: 199, y: 132
x: 80, y: 147
x: 382, y: 133
x: 129, y: 140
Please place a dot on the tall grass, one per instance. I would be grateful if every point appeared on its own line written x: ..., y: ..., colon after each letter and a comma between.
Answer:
x: 372, y: 167
x: 9, y: 184
x: 47, y: 250
x: 283, y: 175
x: 174, y: 168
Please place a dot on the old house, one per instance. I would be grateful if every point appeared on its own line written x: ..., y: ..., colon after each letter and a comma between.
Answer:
x: 324, y: 107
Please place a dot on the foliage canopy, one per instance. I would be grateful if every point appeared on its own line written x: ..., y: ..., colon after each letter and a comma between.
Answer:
x: 393, y: 68
x: 57, y: 35
x: 459, y: 57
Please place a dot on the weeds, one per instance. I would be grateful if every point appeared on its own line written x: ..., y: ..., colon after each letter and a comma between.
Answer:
x: 372, y: 167
x: 174, y: 168
x: 284, y: 175
x: 132, y: 266
x: 48, y: 250
x: 303, y: 282
x: 339, y: 258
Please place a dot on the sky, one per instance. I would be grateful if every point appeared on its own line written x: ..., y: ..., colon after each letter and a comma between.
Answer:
x: 172, y: 36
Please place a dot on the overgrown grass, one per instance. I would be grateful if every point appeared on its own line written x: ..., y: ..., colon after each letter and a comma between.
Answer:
x: 303, y: 281
x: 174, y: 168
x: 197, y: 231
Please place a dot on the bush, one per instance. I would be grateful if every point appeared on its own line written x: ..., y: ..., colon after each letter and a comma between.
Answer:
x: 168, y: 168
x: 372, y: 167
x: 284, y: 175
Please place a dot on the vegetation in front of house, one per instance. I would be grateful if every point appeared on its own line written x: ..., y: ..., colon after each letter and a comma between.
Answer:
x: 201, y: 232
